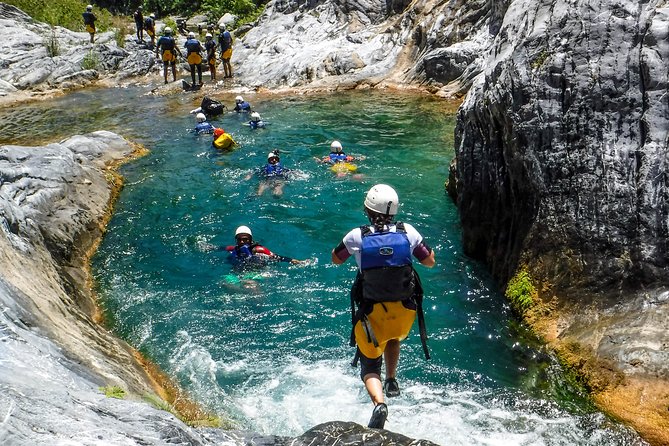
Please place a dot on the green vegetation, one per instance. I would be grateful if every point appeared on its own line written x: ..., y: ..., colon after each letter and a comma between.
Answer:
x: 113, y: 392
x: 65, y: 13
x: 91, y: 61
x: 521, y: 291
x: 51, y: 44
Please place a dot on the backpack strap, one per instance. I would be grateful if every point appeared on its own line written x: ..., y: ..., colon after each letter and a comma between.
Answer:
x: 418, y: 298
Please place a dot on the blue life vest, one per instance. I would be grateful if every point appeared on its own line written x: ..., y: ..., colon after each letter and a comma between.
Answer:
x: 273, y: 170
x: 256, y: 124
x: 386, y: 265
x: 204, y: 127
x: 337, y: 157
x: 193, y: 46
x: 166, y: 43
x: 243, y: 107
x: 243, y: 257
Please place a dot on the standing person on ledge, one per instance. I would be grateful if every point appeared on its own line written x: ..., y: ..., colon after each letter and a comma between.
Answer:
x: 139, y: 24
x: 193, y: 50
x: 168, y: 45
x: 150, y: 27
x: 387, y: 290
x: 225, y: 44
x: 89, y: 21
x: 210, y: 47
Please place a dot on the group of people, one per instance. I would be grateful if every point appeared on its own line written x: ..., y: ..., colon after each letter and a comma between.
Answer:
x: 194, y: 53
x: 147, y: 24
x: 386, y: 297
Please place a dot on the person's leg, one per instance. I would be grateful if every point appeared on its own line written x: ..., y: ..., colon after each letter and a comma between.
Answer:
x: 199, y: 73
x: 392, y: 357
x: 370, y: 371
x: 192, y: 74
x: 174, y: 71
x: 165, y: 64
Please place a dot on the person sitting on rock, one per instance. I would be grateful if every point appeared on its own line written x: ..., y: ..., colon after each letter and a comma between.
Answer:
x: 89, y: 21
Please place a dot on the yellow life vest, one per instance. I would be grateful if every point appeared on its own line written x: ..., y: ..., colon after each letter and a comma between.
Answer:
x: 224, y: 141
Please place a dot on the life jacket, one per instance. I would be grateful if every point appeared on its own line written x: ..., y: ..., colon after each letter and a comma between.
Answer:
x: 148, y: 25
x: 193, y: 49
x: 222, y: 140
x: 204, y: 127
x: 273, y: 170
x: 337, y: 157
x: 167, y: 44
x: 243, y: 256
x: 386, y: 275
x: 225, y: 40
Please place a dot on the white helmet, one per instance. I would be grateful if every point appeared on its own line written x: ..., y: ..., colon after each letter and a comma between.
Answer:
x: 271, y: 155
x: 167, y: 30
x: 152, y: 15
x: 382, y: 199
x: 221, y: 26
x: 200, y: 117
x: 88, y: 8
x: 208, y: 36
x: 255, y: 116
x: 191, y: 35
x: 243, y: 230
x: 336, y: 145
x: 239, y: 99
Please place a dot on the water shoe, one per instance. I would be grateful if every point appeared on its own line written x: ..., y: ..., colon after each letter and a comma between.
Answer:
x: 391, y: 388
x: 379, y: 416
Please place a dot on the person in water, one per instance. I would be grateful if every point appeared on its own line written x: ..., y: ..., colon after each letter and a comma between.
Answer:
x: 150, y: 27
x: 89, y: 21
x: 202, y: 125
x: 225, y: 44
x: 241, y: 106
x: 247, y: 254
x: 139, y: 24
x: 210, y: 47
x: 193, y: 50
x: 273, y: 175
x: 337, y: 154
x: 168, y: 45
x: 387, y: 290
x: 256, y: 121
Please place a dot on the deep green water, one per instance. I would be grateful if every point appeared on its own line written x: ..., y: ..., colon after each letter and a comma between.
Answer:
x: 276, y: 360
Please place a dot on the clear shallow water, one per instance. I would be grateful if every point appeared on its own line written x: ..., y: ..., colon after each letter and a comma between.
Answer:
x: 277, y: 360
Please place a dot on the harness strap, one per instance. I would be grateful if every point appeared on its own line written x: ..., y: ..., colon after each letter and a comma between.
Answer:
x: 418, y: 297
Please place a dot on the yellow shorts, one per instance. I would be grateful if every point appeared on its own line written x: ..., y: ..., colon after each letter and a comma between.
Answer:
x: 194, y: 59
x: 227, y: 54
x: 169, y: 56
x: 90, y: 29
x: 392, y: 322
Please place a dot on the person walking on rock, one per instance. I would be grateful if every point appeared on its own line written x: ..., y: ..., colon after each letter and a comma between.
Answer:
x: 387, y: 292
x: 139, y: 24
x: 168, y: 45
x: 89, y: 21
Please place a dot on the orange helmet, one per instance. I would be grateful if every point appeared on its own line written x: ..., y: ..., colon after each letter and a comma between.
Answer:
x: 218, y: 132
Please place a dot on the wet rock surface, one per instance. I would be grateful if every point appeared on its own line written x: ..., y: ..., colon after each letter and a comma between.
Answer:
x: 562, y: 148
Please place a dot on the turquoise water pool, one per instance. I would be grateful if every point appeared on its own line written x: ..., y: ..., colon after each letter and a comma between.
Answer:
x: 275, y: 358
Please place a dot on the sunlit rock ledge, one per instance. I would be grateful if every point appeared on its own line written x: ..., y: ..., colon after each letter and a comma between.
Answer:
x: 56, y: 363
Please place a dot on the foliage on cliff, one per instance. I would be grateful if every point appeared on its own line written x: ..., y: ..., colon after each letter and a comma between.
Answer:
x: 520, y: 291
x: 65, y: 13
